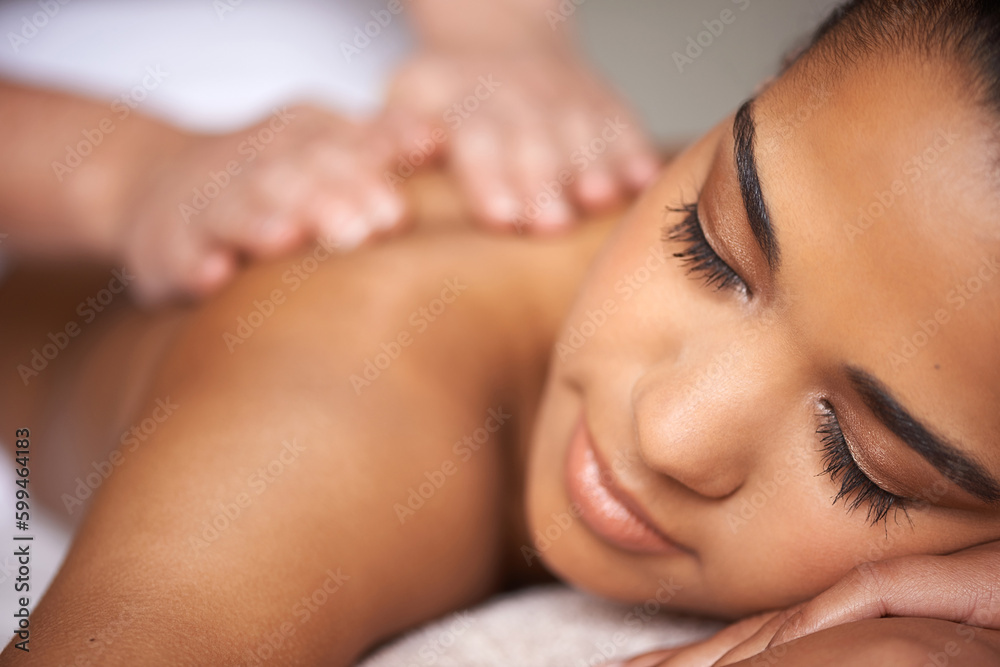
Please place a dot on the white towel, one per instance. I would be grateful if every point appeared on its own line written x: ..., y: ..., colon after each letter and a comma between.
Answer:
x: 545, y: 626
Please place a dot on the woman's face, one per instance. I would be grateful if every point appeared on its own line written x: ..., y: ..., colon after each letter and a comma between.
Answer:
x: 850, y: 322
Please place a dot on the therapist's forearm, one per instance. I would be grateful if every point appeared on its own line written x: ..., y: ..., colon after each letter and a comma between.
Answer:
x: 68, y: 170
x: 492, y: 25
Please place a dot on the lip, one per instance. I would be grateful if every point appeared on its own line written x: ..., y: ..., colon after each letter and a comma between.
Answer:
x: 607, y: 509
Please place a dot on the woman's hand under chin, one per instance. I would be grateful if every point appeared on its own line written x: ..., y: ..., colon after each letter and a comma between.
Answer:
x: 942, y: 610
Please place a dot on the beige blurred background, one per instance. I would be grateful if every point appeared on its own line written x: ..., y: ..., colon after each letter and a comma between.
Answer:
x: 633, y: 41
x: 228, y: 67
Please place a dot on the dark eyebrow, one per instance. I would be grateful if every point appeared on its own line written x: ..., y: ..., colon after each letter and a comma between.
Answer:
x: 948, y: 459
x: 746, y: 171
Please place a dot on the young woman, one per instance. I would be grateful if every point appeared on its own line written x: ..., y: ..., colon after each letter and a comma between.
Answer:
x: 803, y: 308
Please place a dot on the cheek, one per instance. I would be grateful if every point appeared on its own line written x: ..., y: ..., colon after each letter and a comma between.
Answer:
x: 781, y: 542
x: 633, y: 293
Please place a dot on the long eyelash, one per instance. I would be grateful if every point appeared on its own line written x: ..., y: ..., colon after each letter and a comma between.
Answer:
x: 698, y: 256
x: 856, y: 488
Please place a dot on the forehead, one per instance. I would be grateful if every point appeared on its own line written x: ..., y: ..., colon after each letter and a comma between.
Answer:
x: 883, y: 197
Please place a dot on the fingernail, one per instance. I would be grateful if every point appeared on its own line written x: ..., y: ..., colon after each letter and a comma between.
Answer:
x: 214, y: 269
x: 503, y: 208
x: 275, y: 229
x: 556, y: 215
x: 388, y: 211
x: 597, y: 187
x: 352, y: 234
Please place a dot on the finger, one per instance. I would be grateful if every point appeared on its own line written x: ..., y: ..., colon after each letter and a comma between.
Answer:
x: 535, y: 157
x: 950, y: 588
x: 338, y: 204
x: 710, y: 650
x: 704, y: 652
x: 631, y: 154
x: 653, y: 659
x: 595, y: 186
x: 756, y: 642
x: 249, y: 220
x: 384, y: 209
x: 357, y: 205
x: 476, y: 162
x: 339, y: 218
x: 169, y: 258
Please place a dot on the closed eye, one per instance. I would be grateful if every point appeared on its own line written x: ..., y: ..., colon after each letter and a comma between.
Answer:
x: 698, y: 256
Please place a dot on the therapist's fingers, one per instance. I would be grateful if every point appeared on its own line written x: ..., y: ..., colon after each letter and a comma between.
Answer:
x: 595, y: 185
x: 167, y: 257
x: 477, y: 161
x: 535, y: 156
x: 635, y: 161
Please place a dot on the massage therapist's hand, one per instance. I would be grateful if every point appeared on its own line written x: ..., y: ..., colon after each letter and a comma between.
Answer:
x: 300, y: 173
x: 533, y: 138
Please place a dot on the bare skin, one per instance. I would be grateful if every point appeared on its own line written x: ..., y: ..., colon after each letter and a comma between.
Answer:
x: 235, y: 410
x: 318, y: 520
x: 532, y: 136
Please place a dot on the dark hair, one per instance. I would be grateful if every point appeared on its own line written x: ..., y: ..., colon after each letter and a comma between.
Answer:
x: 966, y: 32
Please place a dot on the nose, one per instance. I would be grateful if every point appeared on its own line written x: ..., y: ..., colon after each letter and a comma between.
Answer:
x: 707, y: 418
